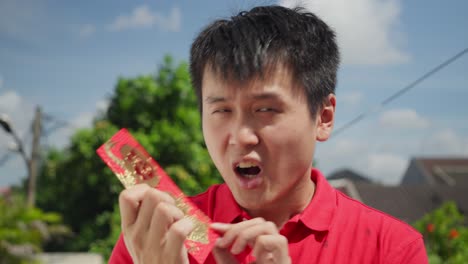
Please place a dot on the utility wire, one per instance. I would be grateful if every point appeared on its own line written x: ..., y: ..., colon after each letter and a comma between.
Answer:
x: 399, y: 93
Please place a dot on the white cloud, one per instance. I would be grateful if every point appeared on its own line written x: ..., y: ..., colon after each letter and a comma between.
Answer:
x: 362, y: 157
x: 383, y: 157
x: 87, y: 30
x: 61, y: 137
x: 102, y: 105
x: 403, y: 119
x: 367, y: 30
x: 18, y: 110
x: 445, y: 142
x: 83, y: 120
x: 143, y: 17
x: 351, y: 98
x: 19, y: 113
x: 10, y: 101
x: 386, y: 167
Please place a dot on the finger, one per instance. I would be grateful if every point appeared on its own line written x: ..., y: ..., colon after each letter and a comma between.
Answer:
x: 164, y: 215
x: 150, y: 201
x: 220, y: 227
x: 271, y: 247
x: 175, y: 237
x: 222, y: 255
x: 129, y: 202
x: 250, y: 234
x: 233, y: 230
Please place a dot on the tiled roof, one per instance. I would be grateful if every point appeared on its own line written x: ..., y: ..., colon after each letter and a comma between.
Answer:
x: 348, y: 174
x: 448, y: 171
x: 411, y: 202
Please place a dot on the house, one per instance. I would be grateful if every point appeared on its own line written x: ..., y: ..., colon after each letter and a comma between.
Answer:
x: 344, y: 180
x: 437, y: 171
x: 411, y: 202
x: 426, y: 185
x: 348, y: 174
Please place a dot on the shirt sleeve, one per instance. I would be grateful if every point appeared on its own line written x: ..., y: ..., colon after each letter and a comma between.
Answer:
x: 413, y: 253
x: 120, y: 253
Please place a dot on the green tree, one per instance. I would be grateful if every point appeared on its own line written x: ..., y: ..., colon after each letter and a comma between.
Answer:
x: 23, y: 229
x: 445, y: 235
x: 161, y: 113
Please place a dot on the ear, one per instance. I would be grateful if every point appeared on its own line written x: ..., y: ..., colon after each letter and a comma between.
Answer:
x: 326, y: 118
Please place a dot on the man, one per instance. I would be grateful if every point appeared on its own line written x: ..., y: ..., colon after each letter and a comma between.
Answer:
x: 265, y: 80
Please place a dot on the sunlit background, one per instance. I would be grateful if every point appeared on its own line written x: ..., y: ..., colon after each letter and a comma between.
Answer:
x: 66, y: 56
x: 402, y: 113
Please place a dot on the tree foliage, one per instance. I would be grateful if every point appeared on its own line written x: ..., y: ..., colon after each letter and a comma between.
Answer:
x: 445, y: 235
x: 161, y: 113
x: 24, y: 229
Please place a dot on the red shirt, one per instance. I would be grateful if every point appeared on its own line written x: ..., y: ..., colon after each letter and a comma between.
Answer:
x: 333, y: 228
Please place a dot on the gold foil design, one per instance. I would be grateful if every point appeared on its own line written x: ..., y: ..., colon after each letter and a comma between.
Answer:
x: 137, y: 168
x: 200, y: 230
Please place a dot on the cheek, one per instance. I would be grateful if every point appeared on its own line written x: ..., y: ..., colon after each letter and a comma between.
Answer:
x: 292, y: 146
x: 213, y: 139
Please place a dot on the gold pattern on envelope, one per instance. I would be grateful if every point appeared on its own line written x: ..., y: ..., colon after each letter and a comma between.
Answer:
x: 137, y: 168
x: 200, y: 230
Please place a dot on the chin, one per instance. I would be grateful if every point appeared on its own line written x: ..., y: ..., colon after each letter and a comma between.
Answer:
x: 251, y: 202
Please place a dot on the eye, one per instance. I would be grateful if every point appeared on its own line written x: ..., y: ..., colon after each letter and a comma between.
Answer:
x: 221, y: 110
x: 266, y: 109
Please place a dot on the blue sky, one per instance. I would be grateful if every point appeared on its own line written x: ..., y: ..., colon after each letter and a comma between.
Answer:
x: 66, y: 57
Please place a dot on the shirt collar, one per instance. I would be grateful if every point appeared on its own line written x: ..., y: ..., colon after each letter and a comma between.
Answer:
x: 318, y: 215
x: 226, y: 209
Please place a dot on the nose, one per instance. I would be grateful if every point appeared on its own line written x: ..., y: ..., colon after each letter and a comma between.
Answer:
x: 243, y: 135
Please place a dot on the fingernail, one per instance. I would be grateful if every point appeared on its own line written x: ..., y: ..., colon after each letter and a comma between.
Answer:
x: 219, y: 226
x: 187, y: 224
x: 235, y: 250
x: 219, y: 242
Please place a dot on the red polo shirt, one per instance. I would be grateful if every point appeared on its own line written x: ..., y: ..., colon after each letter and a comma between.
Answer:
x: 333, y: 228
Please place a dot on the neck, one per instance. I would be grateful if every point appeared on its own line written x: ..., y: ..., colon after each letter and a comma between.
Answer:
x: 287, y: 205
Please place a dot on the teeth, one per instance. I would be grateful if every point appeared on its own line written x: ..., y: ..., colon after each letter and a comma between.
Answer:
x: 246, y: 164
x: 248, y: 176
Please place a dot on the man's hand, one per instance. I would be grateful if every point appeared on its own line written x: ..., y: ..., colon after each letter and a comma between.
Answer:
x: 268, y: 246
x: 153, y: 227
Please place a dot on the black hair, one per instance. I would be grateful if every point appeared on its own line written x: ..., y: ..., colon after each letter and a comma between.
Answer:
x: 254, y: 42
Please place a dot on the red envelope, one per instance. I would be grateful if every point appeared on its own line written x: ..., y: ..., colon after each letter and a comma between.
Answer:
x: 133, y: 165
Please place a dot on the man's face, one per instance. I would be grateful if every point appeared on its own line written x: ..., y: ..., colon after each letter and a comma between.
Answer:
x: 261, y: 137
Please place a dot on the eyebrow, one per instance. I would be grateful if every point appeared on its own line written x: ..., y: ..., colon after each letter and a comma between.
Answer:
x: 265, y: 95
x: 214, y: 99
x: 259, y: 96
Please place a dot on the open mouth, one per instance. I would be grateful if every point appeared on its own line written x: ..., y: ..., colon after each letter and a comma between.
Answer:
x: 247, y: 170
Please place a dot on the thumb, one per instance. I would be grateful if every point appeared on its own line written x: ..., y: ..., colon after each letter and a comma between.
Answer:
x: 223, y: 255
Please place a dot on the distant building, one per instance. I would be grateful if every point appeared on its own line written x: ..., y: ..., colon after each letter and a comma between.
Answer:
x: 348, y: 174
x: 426, y: 185
x: 411, y: 202
x: 344, y: 180
x: 437, y: 171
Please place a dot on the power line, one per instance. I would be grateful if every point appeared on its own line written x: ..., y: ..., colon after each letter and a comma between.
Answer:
x: 399, y: 92
x: 57, y: 124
